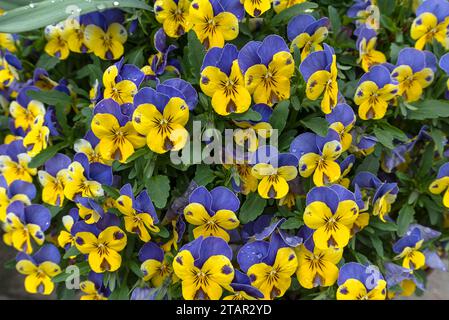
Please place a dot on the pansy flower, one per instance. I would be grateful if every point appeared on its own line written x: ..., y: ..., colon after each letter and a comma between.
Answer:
x: 317, y: 155
x: 359, y: 282
x: 93, y: 288
x: 178, y: 229
x: 8, y: 40
x: 281, y: 5
x: 57, y: 41
x: 431, y: 23
x: 222, y: 80
x: 331, y: 213
x: 36, y: 139
x: 364, y: 11
x: 117, y: 135
x: 24, y: 110
x: 366, y: 44
x: 9, y: 66
x: 316, y: 267
x: 274, y: 170
x: 106, y: 36
x: 256, y: 8
x: 39, y: 269
x: 103, y: 248
x: 174, y: 16
x: 24, y: 224
x: 242, y: 288
x: 155, y: 265
x: 342, y: 120
x: 444, y: 65
x: 363, y: 144
x: 17, y: 191
x: 66, y: 237
x: 204, y: 267
x: 268, y: 67
x: 75, y: 37
x: 414, y: 72
x: 407, y: 248
x: 345, y: 167
x: 121, y: 82
x: 85, y: 179
x: 90, y: 148
x: 306, y: 33
x: 214, y: 212
x: 374, y: 93
x: 162, y: 114
x: 140, y: 214
x: 384, y: 193
x: 53, y: 179
x: 16, y: 167
x: 89, y: 210
x: 159, y: 63
x: 269, y: 265
x: 396, y: 275
x: 212, y: 24
x: 319, y: 70
x: 441, y: 184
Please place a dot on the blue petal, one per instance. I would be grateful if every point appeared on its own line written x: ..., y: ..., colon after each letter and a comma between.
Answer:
x: 407, y: 241
x: 201, y: 195
x: 270, y: 46
x: 304, y: 143
x: 252, y: 253
x: 188, y: 93
x: 248, y: 56
x: 47, y: 252
x: 412, y: 57
x: 150, y: 250
x: 22, y: 187
x: 38, y: 214
x: 58, y: 162
x: 324, y: 194
x: 213, y: 246
x: 223, y: 198
x: 298, y: 25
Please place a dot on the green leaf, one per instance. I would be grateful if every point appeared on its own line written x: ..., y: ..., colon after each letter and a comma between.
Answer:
x: 386, y: 133
x: 135, y: 268
x: 136, y: 57
x: 90, y: 70
x: 251, y: 208
x: 110, y: 191
x: 377, y: 244
x: 439, y: 138
x: 279, y: 116
x: 291, y: 12
x: 334, y: 17
x: 318, y: 125
x: 10, y: 264
x: 47, y: 62
x: 72, y: 252
x: 204, y: 175
x: 195, y: 54
x: 292, y: 223
x: 429, y: 109
x: 52, y: 98
x: 46, y: 154
x: 121, y: 293
x: 405, y: 218
x: 384, y: 226
x: 137, y: 154
x: 249, y: 115
x: 83, y: 268
x: 370, y: 163
x: 41, y: 14
x: 158, y: 188
x: 9, y: 4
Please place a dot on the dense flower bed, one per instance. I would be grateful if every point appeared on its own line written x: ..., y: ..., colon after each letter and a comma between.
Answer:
x: 225, y: 149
